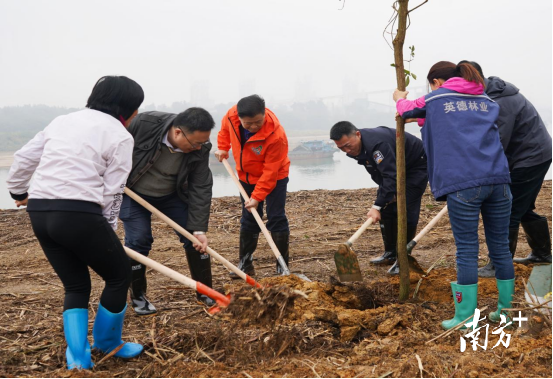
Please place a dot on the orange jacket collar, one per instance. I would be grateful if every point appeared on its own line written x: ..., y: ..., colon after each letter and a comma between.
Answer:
x: 267, y: 129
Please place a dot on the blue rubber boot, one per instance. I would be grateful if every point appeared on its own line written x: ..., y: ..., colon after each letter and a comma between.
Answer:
x: 107, y: 331
x: 465, y: 299
x: 506, y: 290
x: 75, y: 328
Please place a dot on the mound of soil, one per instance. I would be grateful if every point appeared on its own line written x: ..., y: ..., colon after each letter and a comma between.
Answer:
x: 291, y: 327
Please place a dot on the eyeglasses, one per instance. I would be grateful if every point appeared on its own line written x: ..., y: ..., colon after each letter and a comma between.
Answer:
x: 194, y: 145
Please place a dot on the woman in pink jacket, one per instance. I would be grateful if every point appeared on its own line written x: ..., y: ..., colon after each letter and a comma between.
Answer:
x: 468, y: 168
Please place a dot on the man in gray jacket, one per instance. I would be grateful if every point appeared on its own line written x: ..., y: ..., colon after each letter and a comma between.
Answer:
x: 170, y: 170
x: 527, y: 145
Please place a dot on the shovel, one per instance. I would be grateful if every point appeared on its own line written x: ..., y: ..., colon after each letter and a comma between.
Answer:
x: 266, y: 233
x: 539, y: 287
x: 222, y: 300
x: 191, y: 237
x: 345, y: 258
x: 413, y: 264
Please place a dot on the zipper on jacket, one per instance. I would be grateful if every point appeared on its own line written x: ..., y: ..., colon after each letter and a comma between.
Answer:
x: 241, y: 147
x: 147, y: 167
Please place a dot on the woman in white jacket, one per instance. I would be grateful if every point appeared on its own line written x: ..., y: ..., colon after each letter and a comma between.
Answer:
x: 80, y: 163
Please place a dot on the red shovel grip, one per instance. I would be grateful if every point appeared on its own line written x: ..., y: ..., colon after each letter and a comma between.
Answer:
x: 251, y: 281
x: 221, y: 299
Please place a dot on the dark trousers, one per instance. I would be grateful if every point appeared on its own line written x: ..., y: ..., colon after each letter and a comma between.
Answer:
x: 74, y: 241
x: 137, y: 220
x: 415, y: 186
x: 276, y: 213
x: 526, y: 183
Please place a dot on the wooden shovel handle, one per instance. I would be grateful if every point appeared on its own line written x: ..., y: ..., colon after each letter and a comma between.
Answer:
x: 360, y: 231
x: 431, y: 224
x: 221, y: 299
x: 191, y: 237
x: 266, y: 233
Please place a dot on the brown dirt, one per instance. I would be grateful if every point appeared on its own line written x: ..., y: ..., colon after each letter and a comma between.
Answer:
x: 291, y: 328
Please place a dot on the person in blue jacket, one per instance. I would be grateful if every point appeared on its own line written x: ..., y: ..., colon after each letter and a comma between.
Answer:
x: 375, y: 149
x: 527, y: 145
x: 467, y: 167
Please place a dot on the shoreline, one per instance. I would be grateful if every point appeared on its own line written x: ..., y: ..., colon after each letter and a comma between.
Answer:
x: 6, y: 159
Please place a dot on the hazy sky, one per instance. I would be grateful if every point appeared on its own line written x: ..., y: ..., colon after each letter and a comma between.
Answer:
x: 52, y: 52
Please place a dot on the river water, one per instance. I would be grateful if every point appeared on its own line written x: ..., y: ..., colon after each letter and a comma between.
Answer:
x: 337, y: 172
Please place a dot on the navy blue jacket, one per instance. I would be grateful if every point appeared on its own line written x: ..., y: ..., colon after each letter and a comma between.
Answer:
x: 378, y: 155
x: 461, y: 141
x: 523, y: 134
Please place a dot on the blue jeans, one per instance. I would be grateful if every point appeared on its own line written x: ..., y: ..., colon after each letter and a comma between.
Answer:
x: 464, y: 207
x: 137, y: 220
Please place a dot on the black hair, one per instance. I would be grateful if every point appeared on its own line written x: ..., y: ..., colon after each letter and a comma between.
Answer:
x: 251, y: 106
x: 475, y: 65
x: 194, y: 119
x: 117, y: 96
x: 446, y: 70
x: 341, y: 129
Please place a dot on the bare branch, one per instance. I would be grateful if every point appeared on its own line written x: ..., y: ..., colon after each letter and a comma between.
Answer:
x: 420, y: 5
x: 391, y: 22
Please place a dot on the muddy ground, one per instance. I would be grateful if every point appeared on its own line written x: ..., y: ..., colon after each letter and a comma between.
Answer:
x: 292, y: 328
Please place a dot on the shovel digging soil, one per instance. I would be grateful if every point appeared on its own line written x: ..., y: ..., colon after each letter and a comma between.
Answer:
x: 222, y: 300
x: 251, y: 281
x: 413, y: 264
x: 266, y: 233
x: 347, y: 264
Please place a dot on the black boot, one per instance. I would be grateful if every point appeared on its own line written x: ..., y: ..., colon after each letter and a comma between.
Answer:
x: 200, y: 270
x: 282, y: 242
x: 137, y: 290
x: 248, y: 244
x: 411, y: 233
x: 488, y: 271
x: 539, y: 240
x: 388, y: 228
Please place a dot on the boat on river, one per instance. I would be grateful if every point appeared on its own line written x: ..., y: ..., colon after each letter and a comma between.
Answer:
x: 313, y: 149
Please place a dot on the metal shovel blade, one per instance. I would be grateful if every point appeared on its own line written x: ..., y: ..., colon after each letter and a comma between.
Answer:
x: 415, y: 266
x: 301, y: 276
x: 539, y: 283
x: 347, y: 265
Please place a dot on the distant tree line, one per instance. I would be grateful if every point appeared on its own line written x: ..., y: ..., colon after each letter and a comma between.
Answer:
x: 20, y: 124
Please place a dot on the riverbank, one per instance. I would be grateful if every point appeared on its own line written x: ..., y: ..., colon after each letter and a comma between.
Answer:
x: 6, y: 159
x: 353, y: 330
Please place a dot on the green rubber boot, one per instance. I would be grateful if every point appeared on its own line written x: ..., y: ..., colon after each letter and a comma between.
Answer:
x: 506, y: 290
x: 465, y: 299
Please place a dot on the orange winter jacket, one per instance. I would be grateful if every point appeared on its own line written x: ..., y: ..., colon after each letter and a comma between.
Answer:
x: 264, y: 158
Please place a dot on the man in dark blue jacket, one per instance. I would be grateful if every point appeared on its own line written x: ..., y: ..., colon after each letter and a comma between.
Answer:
x: 375, y: 149
x: 527, y: 145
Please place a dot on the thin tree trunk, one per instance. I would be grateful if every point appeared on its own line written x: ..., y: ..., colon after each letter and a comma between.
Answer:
x: 400, y: 156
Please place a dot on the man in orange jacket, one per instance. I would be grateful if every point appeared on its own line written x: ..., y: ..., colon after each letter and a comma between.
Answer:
x: 260, y: 149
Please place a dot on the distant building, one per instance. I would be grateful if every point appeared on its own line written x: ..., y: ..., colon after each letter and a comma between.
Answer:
x: 199, y: 94
x: 246, y: 87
